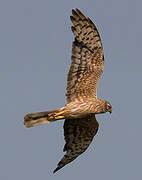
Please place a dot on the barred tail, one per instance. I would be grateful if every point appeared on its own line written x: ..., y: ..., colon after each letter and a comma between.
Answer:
x: 36, y: 119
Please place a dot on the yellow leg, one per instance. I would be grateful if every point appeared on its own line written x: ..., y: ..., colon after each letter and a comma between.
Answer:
x: 59, y: 115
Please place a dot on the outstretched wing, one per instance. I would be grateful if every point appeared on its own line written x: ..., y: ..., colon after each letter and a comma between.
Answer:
x: 87, y: 60
x: 78, y: 134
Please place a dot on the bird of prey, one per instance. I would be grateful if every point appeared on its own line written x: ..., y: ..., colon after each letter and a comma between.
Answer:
x: 82, y: 103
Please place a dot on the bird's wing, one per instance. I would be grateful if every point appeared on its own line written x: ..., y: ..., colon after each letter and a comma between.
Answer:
x: 78, y: 134
x: 87, y: 60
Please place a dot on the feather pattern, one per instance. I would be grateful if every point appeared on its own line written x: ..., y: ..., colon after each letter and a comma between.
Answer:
x: 87, y: 60
x: 82, y: 104
x: 78, y: 134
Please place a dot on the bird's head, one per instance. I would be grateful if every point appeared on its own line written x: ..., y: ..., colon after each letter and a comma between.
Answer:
x: 103, y: 106
x: 108, y: 107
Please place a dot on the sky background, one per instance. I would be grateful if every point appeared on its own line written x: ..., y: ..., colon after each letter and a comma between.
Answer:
x: 35, y: 50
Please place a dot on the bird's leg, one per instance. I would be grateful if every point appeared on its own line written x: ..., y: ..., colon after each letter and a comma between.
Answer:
x: 59, y: 115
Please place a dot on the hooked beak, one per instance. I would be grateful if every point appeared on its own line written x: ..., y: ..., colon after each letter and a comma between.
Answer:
x: 110, y: 111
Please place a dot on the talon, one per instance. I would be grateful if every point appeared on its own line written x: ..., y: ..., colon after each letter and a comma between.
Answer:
x: 59, y: 113
x: 59, y: 117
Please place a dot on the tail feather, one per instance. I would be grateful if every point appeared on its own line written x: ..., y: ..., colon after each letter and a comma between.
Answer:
x: 36, y: 119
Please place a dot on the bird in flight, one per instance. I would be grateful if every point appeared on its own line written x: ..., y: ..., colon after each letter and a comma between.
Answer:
x: 82, y: 103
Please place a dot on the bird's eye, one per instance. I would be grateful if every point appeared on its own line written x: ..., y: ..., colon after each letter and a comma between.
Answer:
x: 108, y: 106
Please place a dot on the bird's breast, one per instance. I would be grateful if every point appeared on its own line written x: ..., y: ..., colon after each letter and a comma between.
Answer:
x: 79, y: 110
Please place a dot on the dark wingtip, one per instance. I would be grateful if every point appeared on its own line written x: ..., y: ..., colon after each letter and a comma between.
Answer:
x: 74, y: 13
x: 73, y: 10
x: 78, y: 11
x: 56, y: 170
x: 59, y: 166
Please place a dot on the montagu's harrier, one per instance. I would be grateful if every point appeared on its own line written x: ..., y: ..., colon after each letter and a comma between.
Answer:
x: 82, y: 103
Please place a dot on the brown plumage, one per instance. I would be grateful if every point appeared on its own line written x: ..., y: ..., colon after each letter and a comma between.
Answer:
x: 78, y: 136
x: 82, y: 103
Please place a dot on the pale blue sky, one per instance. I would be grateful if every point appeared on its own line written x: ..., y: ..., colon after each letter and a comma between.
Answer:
x: 35, y: 49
